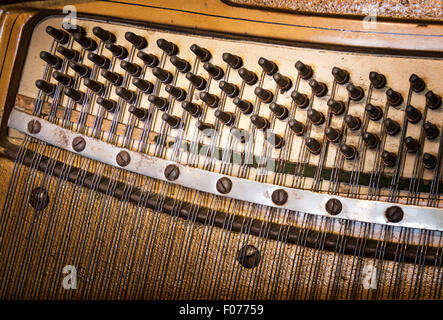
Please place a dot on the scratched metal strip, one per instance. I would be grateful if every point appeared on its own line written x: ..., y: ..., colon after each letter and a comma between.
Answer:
x: 242, y: 189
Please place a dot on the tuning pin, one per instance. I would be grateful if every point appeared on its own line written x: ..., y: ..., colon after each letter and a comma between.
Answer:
x: 74, y: 94
x: 144, y: 85
x: 352, y: 122
x: 168, y: 47
x: 340, y: 75
x: 108, y: 104
x: 417, y: 83
x: 269, y: 67
x: 413, y: 114
x: 131, y: 68
x: 304, y: 70
x: 52, y: 60
x: 181, y: 64
x: 198, y: 82
x: 112, y: 77
x: 264, y: 95
x: 319, y: 88
x: 391, y: 127
x: 431, y: 130
x: 230, y: 89
x: 140, y: 113
x: 248, y: 76
x: 284, y: 83
x: 138, y: 41
x: 161, y: 103
x: 64, y: 79
x: 193, y: 109
x: 103, y: 34
x: 313, y: 145
x: 100, y: 61
x: 332, y: 134
x: 260, y: 122
x: 411, y: 145
x: 72, y: 29
x: 59, y: 35
x: 82, y: 70
x: 87, y: 43
x: 355, y: 93
x: 210, y: 99
x: 394, y: 98
x: 301, y: 100
x: 297, y: 127
x: 69, y: 54
x: 216, y: 72
x: 125, y: 94
x: 240, y: 134
x: 317, y: 118
x: 433, y: 101
x: 207, y: 128
x: 370, y: 139
x: 95, y: 86
x: 202, y: 54
x: 46, y: 87
x: 225, y: 117
x: 234, y: 61
x: 279, y: 111
x: 389, y: 159
x: 336, y: 107
x: 178, y: 93
x: 162, y: 75
x: 348, y: 151
x: 429, y: 161
x: 374, y: 113
x: 150, y: 60
x: 274, y: 139
x: 244, y: 106
x: 377, y: 79
x: 173, y: 121
x: 117, y: 51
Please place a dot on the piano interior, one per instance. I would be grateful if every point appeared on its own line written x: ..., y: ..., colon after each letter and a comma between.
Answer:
x: 221, y: 150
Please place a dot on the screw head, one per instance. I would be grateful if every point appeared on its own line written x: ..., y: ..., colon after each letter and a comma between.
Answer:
x: 39, y: 198
x: 123, y: 158
x: 248, y: 256
x: 394, y: 214
x: 172, y: 172
x: 34, y: 126
x: 279, y: 197
x: 78, y: 144
x: 224, y: 185
x: 333, y: 206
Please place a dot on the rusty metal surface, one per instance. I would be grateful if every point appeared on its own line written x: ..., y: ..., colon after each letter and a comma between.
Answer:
x: 408, y: 9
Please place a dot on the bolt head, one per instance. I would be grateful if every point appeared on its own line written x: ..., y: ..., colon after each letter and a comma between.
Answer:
x: 34, y: 126
x: 279, y: 197
x: 123, y: 158
x: 248, y: 256
x: 78, y: 144
x: 39, y: 198
x: 224, y: 185
x: 333, y: 206
x: 394, y: 214
x: 172, y: 172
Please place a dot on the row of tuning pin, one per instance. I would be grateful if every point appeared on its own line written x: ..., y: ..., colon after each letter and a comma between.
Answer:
x: 281, y: 112
x: 375, y: 113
